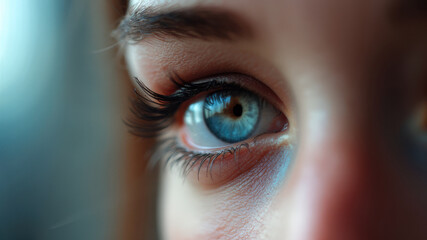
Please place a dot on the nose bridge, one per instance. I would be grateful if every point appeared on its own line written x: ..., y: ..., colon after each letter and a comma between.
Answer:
x: 332, y: 186
x: 333, y: 193
x: 334, y: 183
x: 343, y: 186
x: 333, y: 190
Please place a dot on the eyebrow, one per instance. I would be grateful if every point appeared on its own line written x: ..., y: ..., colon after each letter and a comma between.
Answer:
x: 195, y: 22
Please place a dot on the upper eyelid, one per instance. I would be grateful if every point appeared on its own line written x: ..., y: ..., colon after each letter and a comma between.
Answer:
x: 251, y: 84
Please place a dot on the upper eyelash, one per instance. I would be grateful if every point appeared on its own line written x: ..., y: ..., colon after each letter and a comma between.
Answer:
x: 152, y: 112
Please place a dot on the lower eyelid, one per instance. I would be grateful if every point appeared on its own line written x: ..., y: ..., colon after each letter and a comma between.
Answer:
x: 229, y: 168
x: 212, y: 169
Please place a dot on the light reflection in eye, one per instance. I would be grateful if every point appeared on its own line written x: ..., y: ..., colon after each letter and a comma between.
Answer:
x: 191, y: 117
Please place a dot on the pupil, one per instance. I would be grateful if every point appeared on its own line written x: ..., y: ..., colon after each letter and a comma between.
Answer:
x: 231, y: 115
x: 237, y: 110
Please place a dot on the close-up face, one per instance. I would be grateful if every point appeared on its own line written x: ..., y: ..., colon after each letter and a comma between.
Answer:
x: 283, y: 119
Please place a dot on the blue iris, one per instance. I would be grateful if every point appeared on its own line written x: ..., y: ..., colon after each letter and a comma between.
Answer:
x: 231, y: 115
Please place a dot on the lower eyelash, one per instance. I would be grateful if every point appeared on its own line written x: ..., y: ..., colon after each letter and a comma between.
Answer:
x: 171, y: 153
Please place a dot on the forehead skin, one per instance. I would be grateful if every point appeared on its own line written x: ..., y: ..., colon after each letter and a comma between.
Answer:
x: 329, y: 53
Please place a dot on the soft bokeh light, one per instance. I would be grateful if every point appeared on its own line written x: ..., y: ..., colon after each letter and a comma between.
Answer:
x: 59, y: 121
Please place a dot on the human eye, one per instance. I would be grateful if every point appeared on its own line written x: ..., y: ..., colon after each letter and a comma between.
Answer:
x: 226, y: 117
x: 214, y: 129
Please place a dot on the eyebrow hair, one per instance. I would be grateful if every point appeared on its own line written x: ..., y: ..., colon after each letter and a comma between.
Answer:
x: 195, y: 22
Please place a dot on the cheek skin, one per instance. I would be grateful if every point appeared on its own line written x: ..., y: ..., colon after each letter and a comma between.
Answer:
x: 235, y: 210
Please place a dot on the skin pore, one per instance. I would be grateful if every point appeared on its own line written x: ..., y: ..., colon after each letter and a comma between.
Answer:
x: 348, y: 76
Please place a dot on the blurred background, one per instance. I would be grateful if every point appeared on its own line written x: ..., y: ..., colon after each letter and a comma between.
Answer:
x: 63, y: 95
